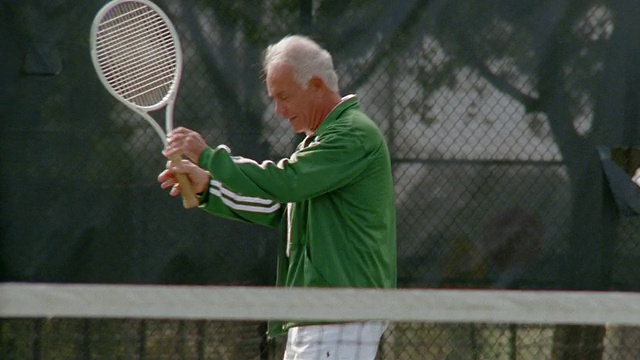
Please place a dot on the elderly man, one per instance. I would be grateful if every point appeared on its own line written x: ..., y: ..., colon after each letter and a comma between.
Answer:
x: 335, y: 193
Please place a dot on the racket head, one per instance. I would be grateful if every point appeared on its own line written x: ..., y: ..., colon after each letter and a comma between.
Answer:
x: 136, y: 52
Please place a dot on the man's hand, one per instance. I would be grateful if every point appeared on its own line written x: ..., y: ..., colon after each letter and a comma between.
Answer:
x: 198, y: 177
x: 184, y: 142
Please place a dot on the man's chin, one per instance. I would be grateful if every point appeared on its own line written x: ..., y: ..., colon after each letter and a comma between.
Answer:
x: 297, y: 130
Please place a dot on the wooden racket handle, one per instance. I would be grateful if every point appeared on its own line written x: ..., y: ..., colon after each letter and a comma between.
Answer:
x: 189, y: 199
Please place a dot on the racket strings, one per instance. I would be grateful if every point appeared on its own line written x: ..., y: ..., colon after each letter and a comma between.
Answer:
x: 119, y: 43
x: 152, y: 70
x: 137, y: 53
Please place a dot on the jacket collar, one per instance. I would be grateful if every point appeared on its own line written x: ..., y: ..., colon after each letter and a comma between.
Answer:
x: 347, y: 102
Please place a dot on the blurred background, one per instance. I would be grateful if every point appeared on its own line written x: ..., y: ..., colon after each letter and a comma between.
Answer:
x: 511, y: 124
x: 513, y: 128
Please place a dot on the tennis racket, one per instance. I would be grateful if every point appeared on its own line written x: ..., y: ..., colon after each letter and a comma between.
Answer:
x: 136, y: 52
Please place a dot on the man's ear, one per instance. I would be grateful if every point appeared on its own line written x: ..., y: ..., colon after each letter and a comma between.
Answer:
x: 316, y: 83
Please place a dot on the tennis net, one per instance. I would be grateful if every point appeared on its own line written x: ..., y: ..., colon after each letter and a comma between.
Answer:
x: 55, y: 321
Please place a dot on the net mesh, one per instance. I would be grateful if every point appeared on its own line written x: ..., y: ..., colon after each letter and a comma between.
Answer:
x: 187, y: 322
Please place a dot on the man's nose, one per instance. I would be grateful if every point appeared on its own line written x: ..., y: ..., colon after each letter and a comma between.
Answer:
x: 280, y: 109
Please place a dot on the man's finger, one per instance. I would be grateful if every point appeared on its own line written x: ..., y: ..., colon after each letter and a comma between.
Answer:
x: 164, y: 176
x: 175, y: 190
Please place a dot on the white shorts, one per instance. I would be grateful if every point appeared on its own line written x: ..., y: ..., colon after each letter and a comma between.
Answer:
x: 349, y: 341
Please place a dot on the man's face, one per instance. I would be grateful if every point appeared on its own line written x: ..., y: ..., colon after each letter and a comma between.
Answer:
x: 292, y: 102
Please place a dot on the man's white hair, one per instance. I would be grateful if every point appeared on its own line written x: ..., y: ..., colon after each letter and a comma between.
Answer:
x: 306, y: 57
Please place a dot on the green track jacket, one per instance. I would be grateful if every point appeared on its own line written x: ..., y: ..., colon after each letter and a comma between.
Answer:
x: 336, y: 195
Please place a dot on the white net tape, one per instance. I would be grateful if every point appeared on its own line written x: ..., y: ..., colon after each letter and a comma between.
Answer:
x: 261, y: 303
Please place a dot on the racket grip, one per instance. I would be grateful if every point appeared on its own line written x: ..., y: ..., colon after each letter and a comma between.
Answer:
x: 189, y: 199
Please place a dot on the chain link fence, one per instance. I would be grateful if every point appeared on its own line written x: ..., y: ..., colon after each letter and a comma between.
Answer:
x: 501, y: 118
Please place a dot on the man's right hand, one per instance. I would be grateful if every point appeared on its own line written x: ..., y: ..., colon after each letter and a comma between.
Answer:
x: 198, y: 177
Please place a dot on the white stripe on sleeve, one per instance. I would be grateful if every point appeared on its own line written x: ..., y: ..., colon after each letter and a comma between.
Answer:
x: 240, y: 202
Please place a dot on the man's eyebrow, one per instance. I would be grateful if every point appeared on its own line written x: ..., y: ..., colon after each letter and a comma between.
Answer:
x: 269, y: 93
x: 279, y: 94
